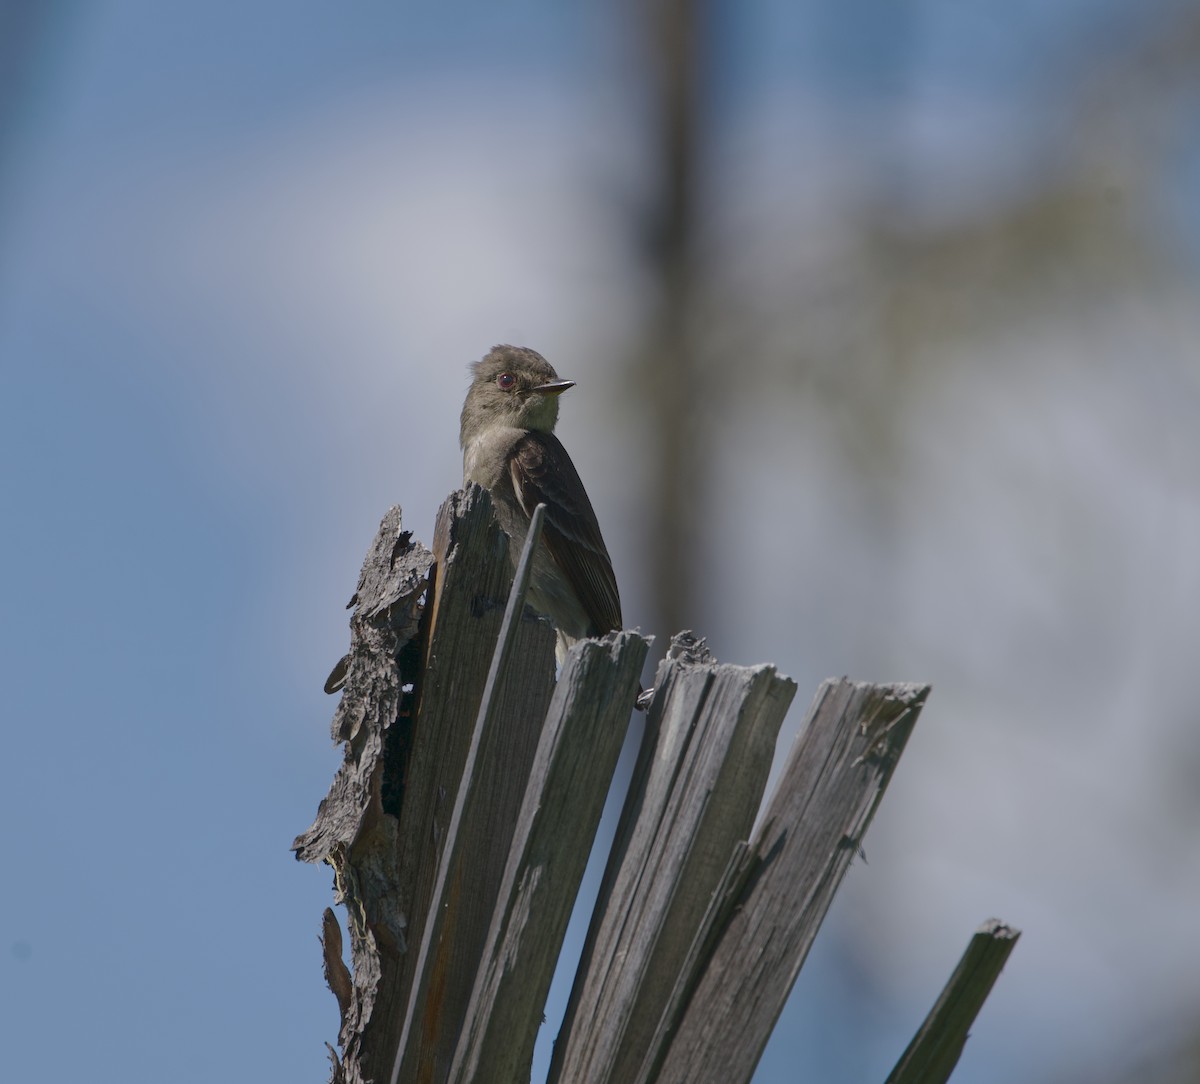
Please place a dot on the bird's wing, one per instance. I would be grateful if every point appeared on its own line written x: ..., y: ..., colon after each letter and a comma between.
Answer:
x: 542, y: 473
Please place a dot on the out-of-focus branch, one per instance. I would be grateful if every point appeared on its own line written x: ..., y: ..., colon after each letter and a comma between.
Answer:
x: 667, y: 361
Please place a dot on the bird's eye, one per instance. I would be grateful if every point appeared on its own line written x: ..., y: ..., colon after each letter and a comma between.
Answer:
x: 505, y: 381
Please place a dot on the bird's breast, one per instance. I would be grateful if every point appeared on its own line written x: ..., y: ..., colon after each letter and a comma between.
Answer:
x: 485, y: 458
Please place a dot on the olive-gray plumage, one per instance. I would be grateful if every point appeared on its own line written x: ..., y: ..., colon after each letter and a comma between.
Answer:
x: 509, y: 448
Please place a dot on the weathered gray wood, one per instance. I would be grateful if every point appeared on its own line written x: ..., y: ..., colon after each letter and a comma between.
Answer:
x: 703, y: 766
x: 473, y: 577
x: 386, y: 615
x: 458, y: 870
x: 350, y: 831
x: 581, y: 742
x: 776, y: 892
x: 434, y: 981
x: 382, y: 826
x: 938, y: 1044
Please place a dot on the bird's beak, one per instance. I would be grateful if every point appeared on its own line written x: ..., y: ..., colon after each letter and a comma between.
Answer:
x: 555, y: 387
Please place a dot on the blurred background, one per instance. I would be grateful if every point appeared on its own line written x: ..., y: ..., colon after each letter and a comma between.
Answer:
x: 885, y: 324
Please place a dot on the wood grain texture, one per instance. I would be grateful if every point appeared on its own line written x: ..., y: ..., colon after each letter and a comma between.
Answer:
x: 386, y: 616
x: 580, y: 744
x: 938, y: 1044
x: 458, y: 836
x: 474, y: 576
x: 776, y: 892
x: 696, y: 789
x: 350, y: 833
x: 382, y: 825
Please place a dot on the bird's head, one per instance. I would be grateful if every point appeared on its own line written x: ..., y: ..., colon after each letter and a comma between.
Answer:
x: 512, y: 386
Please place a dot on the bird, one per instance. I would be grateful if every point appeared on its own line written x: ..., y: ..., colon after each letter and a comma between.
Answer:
x: 509, y: 448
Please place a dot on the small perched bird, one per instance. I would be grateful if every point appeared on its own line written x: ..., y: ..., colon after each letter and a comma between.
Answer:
x: 509, y: 448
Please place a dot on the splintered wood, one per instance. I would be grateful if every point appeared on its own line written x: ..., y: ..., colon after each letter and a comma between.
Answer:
x: 459, y: 825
